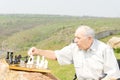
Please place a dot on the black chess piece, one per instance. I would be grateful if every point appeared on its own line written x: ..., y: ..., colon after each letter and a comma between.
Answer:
x: 11, y: 58
x: 16, y: 60
x: 26, y: 59
x: 19, y: 57
x: 7, y: 57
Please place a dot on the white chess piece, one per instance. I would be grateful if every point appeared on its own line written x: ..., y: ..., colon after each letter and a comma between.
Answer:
x: 37, y: 61
x: 30, y: 60
x: 46, y: 64
x: 41, y: 65
x: 30, y: 51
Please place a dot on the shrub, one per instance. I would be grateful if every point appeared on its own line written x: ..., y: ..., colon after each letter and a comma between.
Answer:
x: 117, y: 50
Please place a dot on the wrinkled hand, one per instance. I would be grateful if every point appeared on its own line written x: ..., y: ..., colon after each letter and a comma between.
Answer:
x: 33, y: 51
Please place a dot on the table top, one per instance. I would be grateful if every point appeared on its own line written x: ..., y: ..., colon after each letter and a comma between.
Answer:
x: 17, y: 67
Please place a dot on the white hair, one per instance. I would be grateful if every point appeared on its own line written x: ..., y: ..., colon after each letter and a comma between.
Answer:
x: 87, y: 30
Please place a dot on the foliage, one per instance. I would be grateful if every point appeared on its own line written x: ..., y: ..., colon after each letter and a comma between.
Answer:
x: 117, y: 50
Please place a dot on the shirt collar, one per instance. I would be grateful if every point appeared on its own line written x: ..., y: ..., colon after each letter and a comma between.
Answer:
x: 93, y: 46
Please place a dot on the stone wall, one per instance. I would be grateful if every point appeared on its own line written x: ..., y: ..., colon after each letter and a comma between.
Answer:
x: 104, y: 34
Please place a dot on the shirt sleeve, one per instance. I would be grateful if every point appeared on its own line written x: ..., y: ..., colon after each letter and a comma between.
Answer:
x: 110, y: 65
x: 64, y: 56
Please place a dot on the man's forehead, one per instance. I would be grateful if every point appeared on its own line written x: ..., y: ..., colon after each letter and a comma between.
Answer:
x: 80, y: 32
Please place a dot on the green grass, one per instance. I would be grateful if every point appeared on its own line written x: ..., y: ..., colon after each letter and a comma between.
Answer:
x: 64, y: 72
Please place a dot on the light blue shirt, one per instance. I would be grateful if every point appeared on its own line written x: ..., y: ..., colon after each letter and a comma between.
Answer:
x: 90, y: 64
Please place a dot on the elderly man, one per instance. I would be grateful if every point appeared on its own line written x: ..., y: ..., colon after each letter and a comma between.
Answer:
x: 92, y: 58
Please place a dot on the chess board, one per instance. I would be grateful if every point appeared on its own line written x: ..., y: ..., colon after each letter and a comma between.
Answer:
x: 28, y: 63
x: 17, y: 67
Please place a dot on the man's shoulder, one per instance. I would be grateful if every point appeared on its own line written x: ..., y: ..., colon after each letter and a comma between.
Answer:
x: 102, y: 44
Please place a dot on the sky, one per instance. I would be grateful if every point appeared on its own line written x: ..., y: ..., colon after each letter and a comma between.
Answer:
x: 98, y: 8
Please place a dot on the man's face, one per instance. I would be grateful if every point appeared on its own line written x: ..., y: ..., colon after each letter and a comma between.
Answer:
x: 82, y: 41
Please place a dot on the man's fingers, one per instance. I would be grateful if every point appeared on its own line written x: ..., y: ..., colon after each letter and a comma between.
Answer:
x: 31, y: 50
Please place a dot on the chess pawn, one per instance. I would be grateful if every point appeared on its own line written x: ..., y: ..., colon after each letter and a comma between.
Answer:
x: 19, y: 57
x: 37, y: 61
x: 41, y: 65
x: 22, y: 63
x: 26, y: 59
x: 43, y: 58
x: 46, y: 64
x: 16, y: 60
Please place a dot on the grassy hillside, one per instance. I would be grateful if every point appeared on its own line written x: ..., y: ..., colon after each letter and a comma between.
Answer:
x: 20, y: 32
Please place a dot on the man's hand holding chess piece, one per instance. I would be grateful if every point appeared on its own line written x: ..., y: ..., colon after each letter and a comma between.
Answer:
x: 43, y: 63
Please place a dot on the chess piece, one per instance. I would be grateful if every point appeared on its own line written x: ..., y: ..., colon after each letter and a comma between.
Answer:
x: 11, y: 58
x: 7, y: 58
x: 37, y: 61
x: 46, y: 64
x: 30, y: 61
x: 19, y: 57
x: 22, y: 63
x: 41, y: 65
x: 16, y: 60
x: 30, y: 51
x: 26, y: 59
